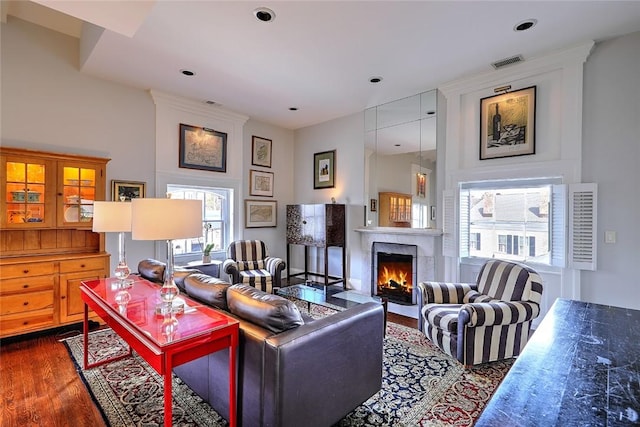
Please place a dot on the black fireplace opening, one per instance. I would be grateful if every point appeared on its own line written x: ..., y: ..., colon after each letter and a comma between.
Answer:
x: 395, y: 277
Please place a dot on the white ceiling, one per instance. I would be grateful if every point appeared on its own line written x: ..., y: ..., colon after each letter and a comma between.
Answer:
x: 318, y: 56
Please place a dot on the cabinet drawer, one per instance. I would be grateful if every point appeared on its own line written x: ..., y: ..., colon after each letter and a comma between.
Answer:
x: 26, y: 284
x: 28, y: 301
x: 19, y: 324
x: 27, y: 269
x: 81, y: 264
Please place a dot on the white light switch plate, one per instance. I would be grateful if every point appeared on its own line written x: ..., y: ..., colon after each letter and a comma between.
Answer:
x: 609, y: 236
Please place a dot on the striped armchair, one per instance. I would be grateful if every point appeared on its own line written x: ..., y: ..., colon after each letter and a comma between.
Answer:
x: 248, y: 262
x: 482, y: 322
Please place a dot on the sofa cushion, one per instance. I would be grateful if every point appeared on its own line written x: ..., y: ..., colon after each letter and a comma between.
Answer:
x: 269, y: 311
x: 207, y: 289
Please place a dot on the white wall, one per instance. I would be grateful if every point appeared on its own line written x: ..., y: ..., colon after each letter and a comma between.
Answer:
x: 282, y: 166
x: 47, y: 104
x: 611, y: 155
x: 346, y: 136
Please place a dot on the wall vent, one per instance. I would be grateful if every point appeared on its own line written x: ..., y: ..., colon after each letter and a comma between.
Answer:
x: 507, y: 61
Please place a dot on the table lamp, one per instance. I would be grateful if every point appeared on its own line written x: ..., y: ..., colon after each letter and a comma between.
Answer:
x: 166, y: 219
x: 114, y: 217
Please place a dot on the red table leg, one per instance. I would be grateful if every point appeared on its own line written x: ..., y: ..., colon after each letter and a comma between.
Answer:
x: 168, y: 407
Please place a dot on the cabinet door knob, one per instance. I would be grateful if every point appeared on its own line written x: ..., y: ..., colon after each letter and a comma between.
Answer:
x: 63, y: 297
x: 25, y: 271
x: 81, y: 265
x: 25, y: 303
x: 304, y: 222
x: 25, y: 286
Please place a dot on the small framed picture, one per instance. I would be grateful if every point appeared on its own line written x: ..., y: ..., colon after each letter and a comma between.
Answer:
x: 260, y: 213
x: 324, y: 170
x: 124, y: 191
x: 508, y: 124
x: 421, y: 185
x: 373, y: 205
x: 260, y: 151
x: 433, y: 213
x: 260, y: 183
x: 203, y: 149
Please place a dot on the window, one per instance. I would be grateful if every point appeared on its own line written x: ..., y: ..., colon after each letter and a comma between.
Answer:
x: 548, y: 222
x: 474, y: 241
x: 216, y: 225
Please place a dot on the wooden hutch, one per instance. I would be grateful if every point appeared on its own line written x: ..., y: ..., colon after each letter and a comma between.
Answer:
x: 46, y: 244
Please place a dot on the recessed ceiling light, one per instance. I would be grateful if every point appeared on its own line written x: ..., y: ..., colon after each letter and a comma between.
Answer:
x: 188, y: 72
x: 293, y: 108
x: 375, y: 79
x: 264, y: 14
x: 525, y: 25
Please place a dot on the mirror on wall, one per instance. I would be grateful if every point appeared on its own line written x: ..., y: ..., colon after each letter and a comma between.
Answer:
x: 400, y: 162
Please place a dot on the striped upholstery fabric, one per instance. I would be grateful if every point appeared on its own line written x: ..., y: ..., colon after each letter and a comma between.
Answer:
x: 486, y: 321
x: 248, y: 262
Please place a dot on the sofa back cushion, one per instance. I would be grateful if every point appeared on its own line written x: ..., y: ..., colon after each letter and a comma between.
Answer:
x: 268, y: 311
x: 207, y: 289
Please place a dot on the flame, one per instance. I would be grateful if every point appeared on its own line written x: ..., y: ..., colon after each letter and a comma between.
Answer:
x: 387, y: 275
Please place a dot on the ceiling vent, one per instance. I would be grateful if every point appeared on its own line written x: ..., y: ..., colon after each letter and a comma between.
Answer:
x: 507, y: 61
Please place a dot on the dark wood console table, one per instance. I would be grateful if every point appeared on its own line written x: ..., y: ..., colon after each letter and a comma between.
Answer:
x: 581, y: 367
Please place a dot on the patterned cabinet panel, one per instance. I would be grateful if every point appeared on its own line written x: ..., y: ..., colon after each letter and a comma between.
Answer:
x: 316, y: 225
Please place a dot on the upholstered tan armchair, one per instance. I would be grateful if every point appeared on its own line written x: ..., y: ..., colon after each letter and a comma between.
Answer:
x: 248, y: 262
x: 484, y: 321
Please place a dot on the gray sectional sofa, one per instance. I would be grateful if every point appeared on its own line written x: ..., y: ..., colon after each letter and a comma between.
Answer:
x: 292, y: 370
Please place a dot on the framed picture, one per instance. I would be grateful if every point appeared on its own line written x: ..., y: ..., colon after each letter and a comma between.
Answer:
x: 507, y: 124
x: 260, y: 213
x: 260, y: 151
x: 202, y: 148
x: 433, y: 213
x: 324, y: 170
x: 421, y: 185
x: 124, y: 191
x: 373, y: 205
x: 260, y: 183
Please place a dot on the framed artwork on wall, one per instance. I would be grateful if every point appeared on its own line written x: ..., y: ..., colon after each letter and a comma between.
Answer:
x: 124, y: 191
x: 260, y: 151
x: 203, y: 149
x: 324, y: 170
x: 507, y: 124
x: 373, y: 205
x: 260, y: 213
x: 260, y: 183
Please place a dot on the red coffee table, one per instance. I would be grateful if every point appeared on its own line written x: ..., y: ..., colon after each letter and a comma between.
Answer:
x: 200, y: 330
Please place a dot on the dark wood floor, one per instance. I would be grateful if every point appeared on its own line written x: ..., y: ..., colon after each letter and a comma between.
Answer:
x: 39, y: 385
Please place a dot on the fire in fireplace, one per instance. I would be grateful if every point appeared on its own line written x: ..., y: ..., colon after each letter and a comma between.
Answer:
x: 395, y: 277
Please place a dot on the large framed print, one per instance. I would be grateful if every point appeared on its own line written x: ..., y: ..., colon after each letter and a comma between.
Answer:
x: 260, y: 213
x: 260, y: 183
x: 324, y: 169
x: 260, y: 151
x: 202, y: 148
x: 507, y: 124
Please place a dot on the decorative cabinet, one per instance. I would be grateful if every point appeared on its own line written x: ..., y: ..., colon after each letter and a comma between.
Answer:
x: 321, y: 226
x: 47, y: 246
x: 394, y: 209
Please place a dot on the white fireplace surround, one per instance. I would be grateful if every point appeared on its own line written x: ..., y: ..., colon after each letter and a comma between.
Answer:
x: 424, y: 239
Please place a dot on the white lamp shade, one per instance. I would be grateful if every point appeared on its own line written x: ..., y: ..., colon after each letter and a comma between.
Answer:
x: 111, y: 216
x: 165, y: 219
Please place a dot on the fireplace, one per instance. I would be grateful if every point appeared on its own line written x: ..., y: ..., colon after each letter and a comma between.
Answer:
x: 394, y: 272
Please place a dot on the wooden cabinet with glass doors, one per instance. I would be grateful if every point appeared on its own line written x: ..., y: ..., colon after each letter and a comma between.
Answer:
x: 47, y: 246
x: 394, y: 209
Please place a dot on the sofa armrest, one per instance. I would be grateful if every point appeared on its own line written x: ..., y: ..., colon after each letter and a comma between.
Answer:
x: 497, y: 313
x: 344, y: 348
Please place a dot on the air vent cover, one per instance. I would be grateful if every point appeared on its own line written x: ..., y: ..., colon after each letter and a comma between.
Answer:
x: 507, y: 61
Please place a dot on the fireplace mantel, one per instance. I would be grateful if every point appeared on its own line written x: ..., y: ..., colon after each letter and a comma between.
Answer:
x: 399, y: 230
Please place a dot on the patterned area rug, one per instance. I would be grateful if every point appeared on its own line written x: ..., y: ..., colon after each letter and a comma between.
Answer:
x: 420, y: 386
